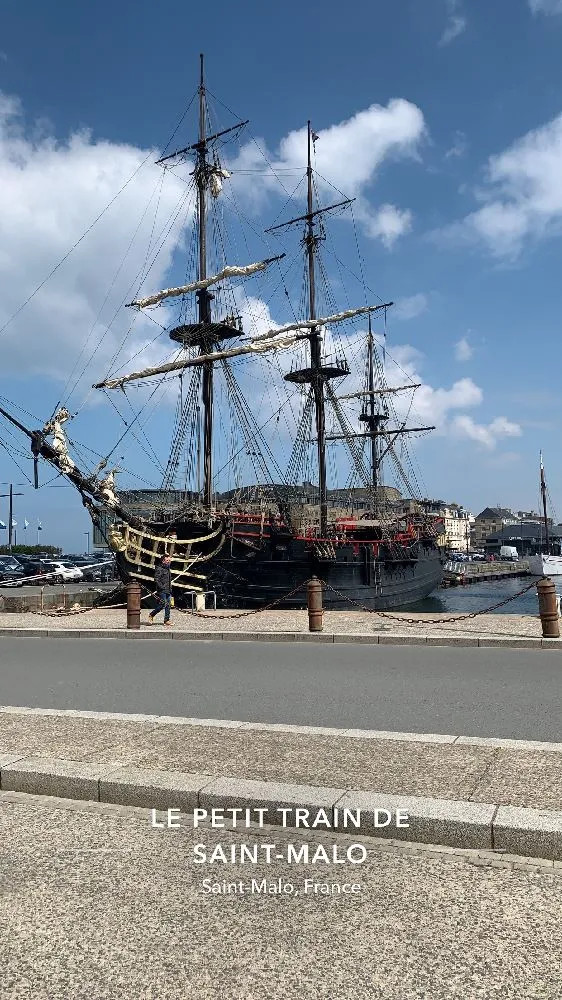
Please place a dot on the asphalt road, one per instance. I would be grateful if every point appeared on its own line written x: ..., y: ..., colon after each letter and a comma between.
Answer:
x: 96, y: 904
x: 450, y: 690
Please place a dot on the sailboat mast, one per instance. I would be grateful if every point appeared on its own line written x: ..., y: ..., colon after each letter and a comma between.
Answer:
x: 543, y: 495
x: 201, y: 179
x: 204, y: 297
x: 316, y: 350
x: 372, y: 411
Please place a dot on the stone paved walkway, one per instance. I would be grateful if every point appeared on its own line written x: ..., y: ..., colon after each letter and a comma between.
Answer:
x: 457, y: 768
x: 98, y: 905
x: 336, y: 622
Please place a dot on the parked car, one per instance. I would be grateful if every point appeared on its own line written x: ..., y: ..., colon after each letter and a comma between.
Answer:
x: 509, y: 553
x: 94, y: 573
x: 11, y: 572
x: 62, y: 572
x: 34, y: 569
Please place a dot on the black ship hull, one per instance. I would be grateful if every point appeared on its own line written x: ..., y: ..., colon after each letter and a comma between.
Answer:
x: 379, y: 584
x: 256, y: 564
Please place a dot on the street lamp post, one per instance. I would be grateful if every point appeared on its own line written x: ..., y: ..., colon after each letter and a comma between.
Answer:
x: 11, y: 496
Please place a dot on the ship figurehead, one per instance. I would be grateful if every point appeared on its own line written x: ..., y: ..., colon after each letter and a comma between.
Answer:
x: 54, y: 429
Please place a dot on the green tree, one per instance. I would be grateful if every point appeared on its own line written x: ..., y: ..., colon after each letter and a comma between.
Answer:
x: 31, y: 550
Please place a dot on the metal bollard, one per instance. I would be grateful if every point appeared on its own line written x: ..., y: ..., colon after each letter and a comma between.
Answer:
x: 314, y: 604
x: 133, y: 604
x: 548, y: 609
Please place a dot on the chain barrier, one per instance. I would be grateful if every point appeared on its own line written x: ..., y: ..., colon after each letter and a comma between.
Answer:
x: 69, y: 612
x: 434, y: 621
x: 63, y: 612
x: 245, y: 614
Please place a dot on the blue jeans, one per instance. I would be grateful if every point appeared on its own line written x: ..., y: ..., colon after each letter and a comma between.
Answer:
x: 163, y: 603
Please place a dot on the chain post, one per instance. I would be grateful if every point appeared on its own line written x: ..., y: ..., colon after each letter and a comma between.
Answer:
x: 133, y: 604
x: 314, y: 604
x: 548, y: 608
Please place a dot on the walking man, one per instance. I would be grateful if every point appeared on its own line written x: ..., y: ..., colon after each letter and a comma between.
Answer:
x: 163, y: 583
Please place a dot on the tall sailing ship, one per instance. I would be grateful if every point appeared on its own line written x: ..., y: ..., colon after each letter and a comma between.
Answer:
x: 257, y: 544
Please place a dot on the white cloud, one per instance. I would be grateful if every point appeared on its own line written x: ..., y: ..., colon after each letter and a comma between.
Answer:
x: 546, y: 6
x: 256, y: 316
x: 386, y: 223
x: 439, y: 407
x: 410, y: 307
x: 505, y: 428
x: 434, y: 404
x: 459, y: 146
x: 349, y: 154
x: 463, y: 350
x: 486, y: 435
x: 50, y: 192
x: 456, y: 22
x: 431, y: 405
x: 522, y: 199
x: 348, y: 157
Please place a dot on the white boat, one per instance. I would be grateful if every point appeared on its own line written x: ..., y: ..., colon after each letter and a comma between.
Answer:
x: 545, y: 565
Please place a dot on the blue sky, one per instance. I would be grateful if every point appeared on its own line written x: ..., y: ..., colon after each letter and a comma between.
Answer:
x: 466, y: 147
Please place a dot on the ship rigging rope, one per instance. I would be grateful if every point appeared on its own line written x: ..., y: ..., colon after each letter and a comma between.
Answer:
x: 303, y: 433
x: 262, y: 426
x: 94, y: 223
x: 134, y: 284
x: 129, y: 426
x: 64, y: 397
x: 252, y: 137
x: 74, y: 246
x: 182, y: 204
x: 10, y: 452
x: 250, y: 428
x: 346, y: 429
x: 184, y: 421
x: 148, y: 445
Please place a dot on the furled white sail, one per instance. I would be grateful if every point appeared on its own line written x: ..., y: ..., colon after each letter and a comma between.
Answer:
x: 195, y: 286
x: 273, y: 340
x: 216, y: 177
x: 256, y: 346
x: 309, y: 324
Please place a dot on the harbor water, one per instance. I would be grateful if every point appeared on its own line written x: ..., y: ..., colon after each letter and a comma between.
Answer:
x: 477, y: 596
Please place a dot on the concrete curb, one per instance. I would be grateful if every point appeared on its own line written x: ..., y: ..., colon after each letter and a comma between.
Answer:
x: 404, y: 639
x: 278, y: 727
x: 481, y: 826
